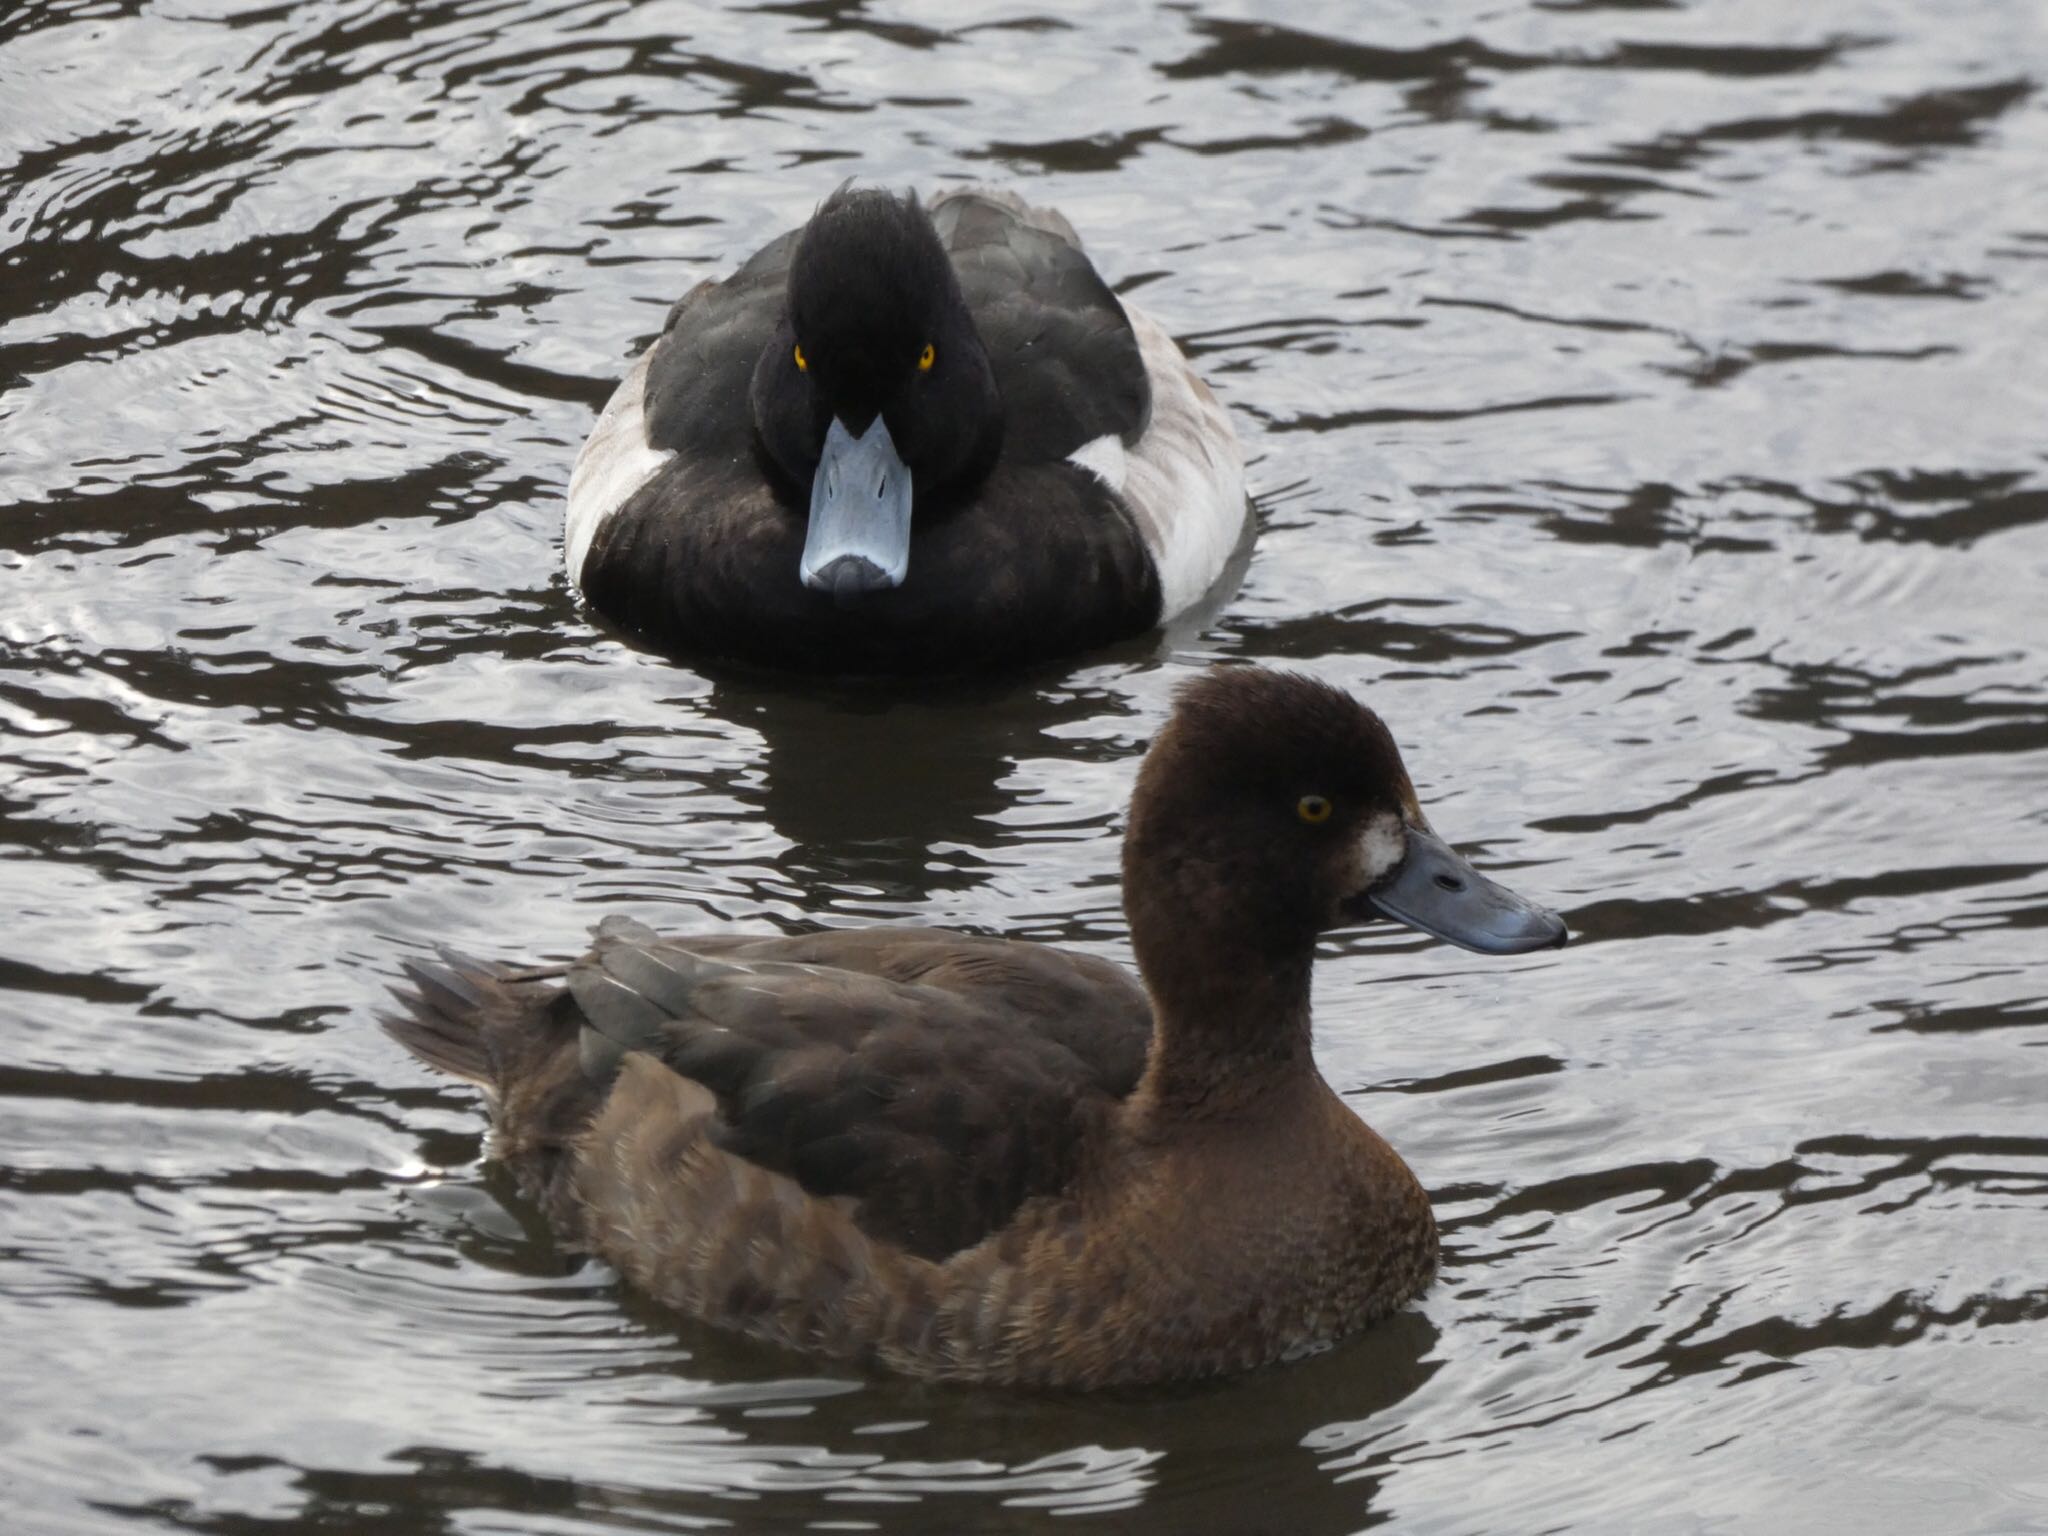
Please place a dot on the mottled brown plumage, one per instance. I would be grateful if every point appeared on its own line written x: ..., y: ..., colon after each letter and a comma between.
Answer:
x: 972, y: 1159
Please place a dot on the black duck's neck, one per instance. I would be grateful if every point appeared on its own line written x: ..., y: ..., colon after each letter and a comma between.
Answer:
x: 1230, y: 1001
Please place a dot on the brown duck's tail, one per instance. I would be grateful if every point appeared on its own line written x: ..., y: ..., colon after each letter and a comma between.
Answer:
x: 443, y: 1021
x: 511, y: 1032
x: 514, y: 1033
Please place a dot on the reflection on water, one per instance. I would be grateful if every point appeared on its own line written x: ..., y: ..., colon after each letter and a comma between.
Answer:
x: 1645, y: 407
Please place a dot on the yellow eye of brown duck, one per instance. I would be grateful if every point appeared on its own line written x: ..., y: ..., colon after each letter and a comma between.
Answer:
x: 801, y: 365
x: 1313, y: 809
x: 926, y: 358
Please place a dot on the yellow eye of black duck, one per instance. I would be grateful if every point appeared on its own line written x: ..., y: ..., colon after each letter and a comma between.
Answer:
x: 1313, y: 809
x: 926, y: 358
x: 801, y: 365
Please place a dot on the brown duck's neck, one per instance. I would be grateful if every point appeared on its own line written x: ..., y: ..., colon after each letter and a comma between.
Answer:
x: 1230, y: 1019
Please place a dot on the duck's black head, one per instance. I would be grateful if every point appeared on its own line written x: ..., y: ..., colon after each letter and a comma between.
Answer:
x: 1273, y: 807
x: 876, y: 393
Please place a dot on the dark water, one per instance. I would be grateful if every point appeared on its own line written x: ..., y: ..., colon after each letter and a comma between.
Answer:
x: 1648, y: 408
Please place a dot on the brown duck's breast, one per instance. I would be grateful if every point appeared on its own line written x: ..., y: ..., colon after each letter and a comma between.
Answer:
x: 1228, y: 1245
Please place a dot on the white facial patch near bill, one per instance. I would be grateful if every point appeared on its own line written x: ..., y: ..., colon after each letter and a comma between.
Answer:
x: 1183, y: 479
x: 1382, y: 845
x: 614, y: 463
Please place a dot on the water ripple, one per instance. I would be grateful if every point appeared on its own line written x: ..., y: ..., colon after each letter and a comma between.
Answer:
x: 1644, y: 406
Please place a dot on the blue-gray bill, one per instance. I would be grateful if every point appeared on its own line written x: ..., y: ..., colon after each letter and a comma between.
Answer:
x: 1435, y: 890
x: 859, y: 536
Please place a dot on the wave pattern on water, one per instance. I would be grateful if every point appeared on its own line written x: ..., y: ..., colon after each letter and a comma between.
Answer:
x: 1645, y: 404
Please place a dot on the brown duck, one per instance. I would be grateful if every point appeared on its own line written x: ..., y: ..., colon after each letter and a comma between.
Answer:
x: 983, y: 1160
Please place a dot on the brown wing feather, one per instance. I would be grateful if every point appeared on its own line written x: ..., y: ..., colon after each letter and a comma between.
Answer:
x: 1094, y: 1008
x: 934, y: 1081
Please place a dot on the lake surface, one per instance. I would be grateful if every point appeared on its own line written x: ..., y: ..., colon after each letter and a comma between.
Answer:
x: 1648, y: 413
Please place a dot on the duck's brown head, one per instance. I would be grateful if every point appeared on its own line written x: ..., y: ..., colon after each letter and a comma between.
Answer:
x: 1273, y: 807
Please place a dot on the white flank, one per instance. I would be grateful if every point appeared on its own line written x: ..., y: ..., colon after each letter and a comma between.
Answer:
x: 1184, y: 481
x: 614, y: 463
x: 1104, y: 458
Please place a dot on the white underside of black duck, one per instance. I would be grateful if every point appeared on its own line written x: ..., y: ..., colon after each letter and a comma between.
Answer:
x: 1183, y: 480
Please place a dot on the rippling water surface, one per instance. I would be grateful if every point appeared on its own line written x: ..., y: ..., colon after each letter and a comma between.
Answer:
x: 1648, y: 408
